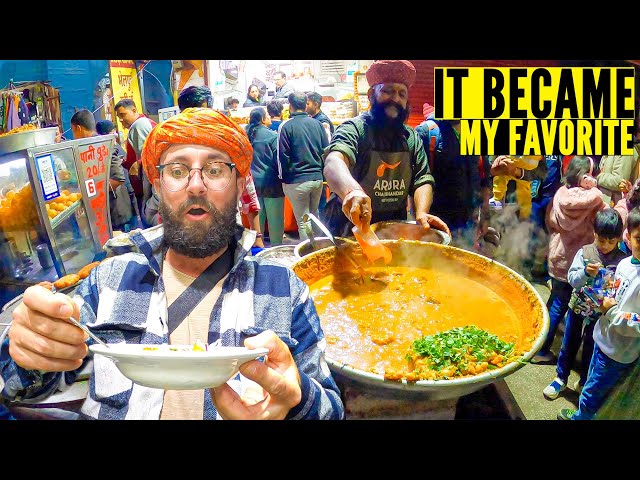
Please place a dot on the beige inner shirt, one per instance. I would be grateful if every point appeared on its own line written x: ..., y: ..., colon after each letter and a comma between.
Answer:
x: 187, y: 404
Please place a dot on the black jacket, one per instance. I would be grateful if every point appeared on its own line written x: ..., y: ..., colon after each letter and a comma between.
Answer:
x: 322, y: 118
x: 263, y: 165
x: 250, y: 102
x: 301, y: 142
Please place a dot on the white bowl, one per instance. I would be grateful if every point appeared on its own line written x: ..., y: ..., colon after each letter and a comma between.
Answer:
x: 177, y: 367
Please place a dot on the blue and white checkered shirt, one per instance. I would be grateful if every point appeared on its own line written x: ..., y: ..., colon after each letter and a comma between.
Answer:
x: 123, y: 300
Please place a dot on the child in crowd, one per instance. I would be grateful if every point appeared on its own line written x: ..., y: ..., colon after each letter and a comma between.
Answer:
x: 597, y: 260
x: 630, y: 201
x: 274, y: 109
x: 569, y: 220
x: 523, y: 187
x: 233, y: 104
x: 616, y: 173
x: 616, y: 334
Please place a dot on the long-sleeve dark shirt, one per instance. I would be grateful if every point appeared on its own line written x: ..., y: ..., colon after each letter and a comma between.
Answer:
x: 301, y: 142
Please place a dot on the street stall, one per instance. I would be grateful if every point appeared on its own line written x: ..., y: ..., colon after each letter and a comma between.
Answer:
x: 54, y: 215
x: 29, y: 103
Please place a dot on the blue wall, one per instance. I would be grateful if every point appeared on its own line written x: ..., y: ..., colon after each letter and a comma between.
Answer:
x: 77, y: 79
x: 156, y: 77
x: 22, y: 71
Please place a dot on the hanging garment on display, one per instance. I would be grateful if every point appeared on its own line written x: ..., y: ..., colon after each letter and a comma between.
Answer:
x: 23, y: 111
x: 13, y: 119
x: 52, y: 105
x: 2, y: 116
x: 10, y: 101
x: 30, y: 102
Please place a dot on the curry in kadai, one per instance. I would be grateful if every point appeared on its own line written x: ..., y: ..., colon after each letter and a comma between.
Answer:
x: 448, y: 317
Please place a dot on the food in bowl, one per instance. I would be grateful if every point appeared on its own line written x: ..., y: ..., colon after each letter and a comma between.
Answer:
x: 177, y: 367
x: 457, y: 352
x: 431, y: 289
x: 198, y: 346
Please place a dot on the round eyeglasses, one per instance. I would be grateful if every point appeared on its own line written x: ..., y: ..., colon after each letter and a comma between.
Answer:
x: 215, y: 175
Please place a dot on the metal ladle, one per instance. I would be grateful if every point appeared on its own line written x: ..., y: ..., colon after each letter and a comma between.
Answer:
x: 310, y: 216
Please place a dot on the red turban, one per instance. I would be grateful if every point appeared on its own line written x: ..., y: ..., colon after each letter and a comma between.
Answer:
x: 199, y: 126
x: 391, y: 71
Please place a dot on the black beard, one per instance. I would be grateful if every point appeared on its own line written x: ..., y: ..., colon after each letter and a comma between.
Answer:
x: 380, y: 118
x: 198, y: 240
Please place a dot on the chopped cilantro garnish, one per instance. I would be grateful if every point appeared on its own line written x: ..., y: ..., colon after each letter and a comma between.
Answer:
x: 457, y: 347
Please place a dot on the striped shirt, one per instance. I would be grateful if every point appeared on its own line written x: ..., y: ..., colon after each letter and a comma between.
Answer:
x: 124, y: 300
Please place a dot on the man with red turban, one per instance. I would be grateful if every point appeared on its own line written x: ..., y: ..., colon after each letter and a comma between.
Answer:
x: 375, y: 162
x: 184, y: 281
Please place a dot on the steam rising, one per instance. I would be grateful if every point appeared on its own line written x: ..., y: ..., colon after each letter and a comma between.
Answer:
x: 516, y: 248
x: 518, y: 243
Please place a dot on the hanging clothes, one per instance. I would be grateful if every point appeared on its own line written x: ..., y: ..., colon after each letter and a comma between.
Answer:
x: 23, y: 111
x: 2, y: 114
x: 29, y: 103
x: 13, y: 121
x: 52, y: 106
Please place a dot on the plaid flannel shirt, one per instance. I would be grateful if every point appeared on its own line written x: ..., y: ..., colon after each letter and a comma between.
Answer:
x: 123, y: 300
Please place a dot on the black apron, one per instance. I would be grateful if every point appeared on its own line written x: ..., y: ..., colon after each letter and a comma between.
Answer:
x: 386, y: 178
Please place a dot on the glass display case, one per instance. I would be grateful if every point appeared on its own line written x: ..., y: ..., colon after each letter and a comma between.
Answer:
x: 338, y: 112
x: 54, y: 215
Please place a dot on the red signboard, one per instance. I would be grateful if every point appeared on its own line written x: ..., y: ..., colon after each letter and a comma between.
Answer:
x: 94, y: 158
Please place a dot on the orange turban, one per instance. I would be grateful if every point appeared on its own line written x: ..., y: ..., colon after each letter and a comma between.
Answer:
x: 391, y: 71
x: 199, y: 126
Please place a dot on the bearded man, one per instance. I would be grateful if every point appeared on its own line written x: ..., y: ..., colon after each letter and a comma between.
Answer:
x: 374, y: 161
x: 188, y: 279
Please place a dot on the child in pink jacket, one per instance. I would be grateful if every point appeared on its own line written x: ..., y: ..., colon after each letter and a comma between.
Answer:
x: 569, y: 220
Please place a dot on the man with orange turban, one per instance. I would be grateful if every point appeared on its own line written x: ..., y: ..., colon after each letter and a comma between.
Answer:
x: 184, y: 281
x: 375, y: 161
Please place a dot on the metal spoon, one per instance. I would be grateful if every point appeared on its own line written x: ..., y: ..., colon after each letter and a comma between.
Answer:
x: 82, y: 327
x: 79, y: 325
x: 89, y: 332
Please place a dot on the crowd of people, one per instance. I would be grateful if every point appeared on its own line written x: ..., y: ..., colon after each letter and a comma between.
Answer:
x: 199, y: 169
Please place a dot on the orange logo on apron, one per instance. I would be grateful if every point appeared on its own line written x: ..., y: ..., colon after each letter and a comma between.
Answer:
x: 384, y: 166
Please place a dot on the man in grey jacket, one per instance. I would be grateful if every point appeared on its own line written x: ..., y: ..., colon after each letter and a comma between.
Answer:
x: 283, y: 89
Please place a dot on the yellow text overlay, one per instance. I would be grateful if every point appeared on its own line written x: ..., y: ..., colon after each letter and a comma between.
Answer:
x: 539, y: 111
